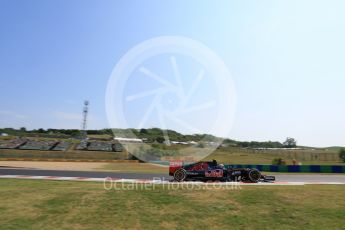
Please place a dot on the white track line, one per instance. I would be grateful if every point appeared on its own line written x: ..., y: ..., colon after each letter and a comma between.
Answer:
x: 141, y: 181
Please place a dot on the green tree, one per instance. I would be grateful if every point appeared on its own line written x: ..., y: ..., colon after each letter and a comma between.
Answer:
x: 143, y: 131
x: 160, y: 139
x: 342, y: 154
x: 41, y: 130
x: 290, y: 143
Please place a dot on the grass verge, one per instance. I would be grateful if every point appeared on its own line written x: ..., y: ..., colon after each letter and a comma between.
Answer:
x: 30, y: 204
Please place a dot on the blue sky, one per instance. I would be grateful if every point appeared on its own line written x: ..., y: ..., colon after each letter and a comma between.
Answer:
x: 286, y: 59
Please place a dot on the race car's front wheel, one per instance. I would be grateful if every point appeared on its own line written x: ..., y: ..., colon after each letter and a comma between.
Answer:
x: 254, y: 175
x: 180, y: 175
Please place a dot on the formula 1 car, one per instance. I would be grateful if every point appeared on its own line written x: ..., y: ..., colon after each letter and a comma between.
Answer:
x: 212, y: 171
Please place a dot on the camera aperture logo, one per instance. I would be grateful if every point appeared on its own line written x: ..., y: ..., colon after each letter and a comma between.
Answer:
x: 171, y: 83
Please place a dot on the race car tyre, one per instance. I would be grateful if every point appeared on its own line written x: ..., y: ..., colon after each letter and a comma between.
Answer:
x: 254, y: 175
x: 180, y: 175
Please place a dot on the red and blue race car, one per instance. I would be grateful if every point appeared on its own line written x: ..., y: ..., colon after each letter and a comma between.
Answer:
x: 212, y: 171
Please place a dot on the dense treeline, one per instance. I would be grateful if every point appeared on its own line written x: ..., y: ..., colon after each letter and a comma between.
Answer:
x: 151, y: 135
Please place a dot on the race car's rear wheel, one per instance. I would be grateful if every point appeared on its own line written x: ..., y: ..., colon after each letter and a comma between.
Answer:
x: 254, y: 175
x: 180, y: 175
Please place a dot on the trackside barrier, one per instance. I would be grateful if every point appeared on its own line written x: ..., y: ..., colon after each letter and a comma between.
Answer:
x: 294, y: 168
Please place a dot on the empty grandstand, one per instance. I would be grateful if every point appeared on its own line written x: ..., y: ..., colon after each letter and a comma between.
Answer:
x: 38, y: 145
x: 118, y: 147
x: 100, y: 146
x: 13, y: 144
x: 62, y: 146
x: 56, y: 145
x: 82, y: 146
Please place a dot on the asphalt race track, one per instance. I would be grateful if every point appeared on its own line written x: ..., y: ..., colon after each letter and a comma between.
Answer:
x: 310, y: 177
x: 57, y: 173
